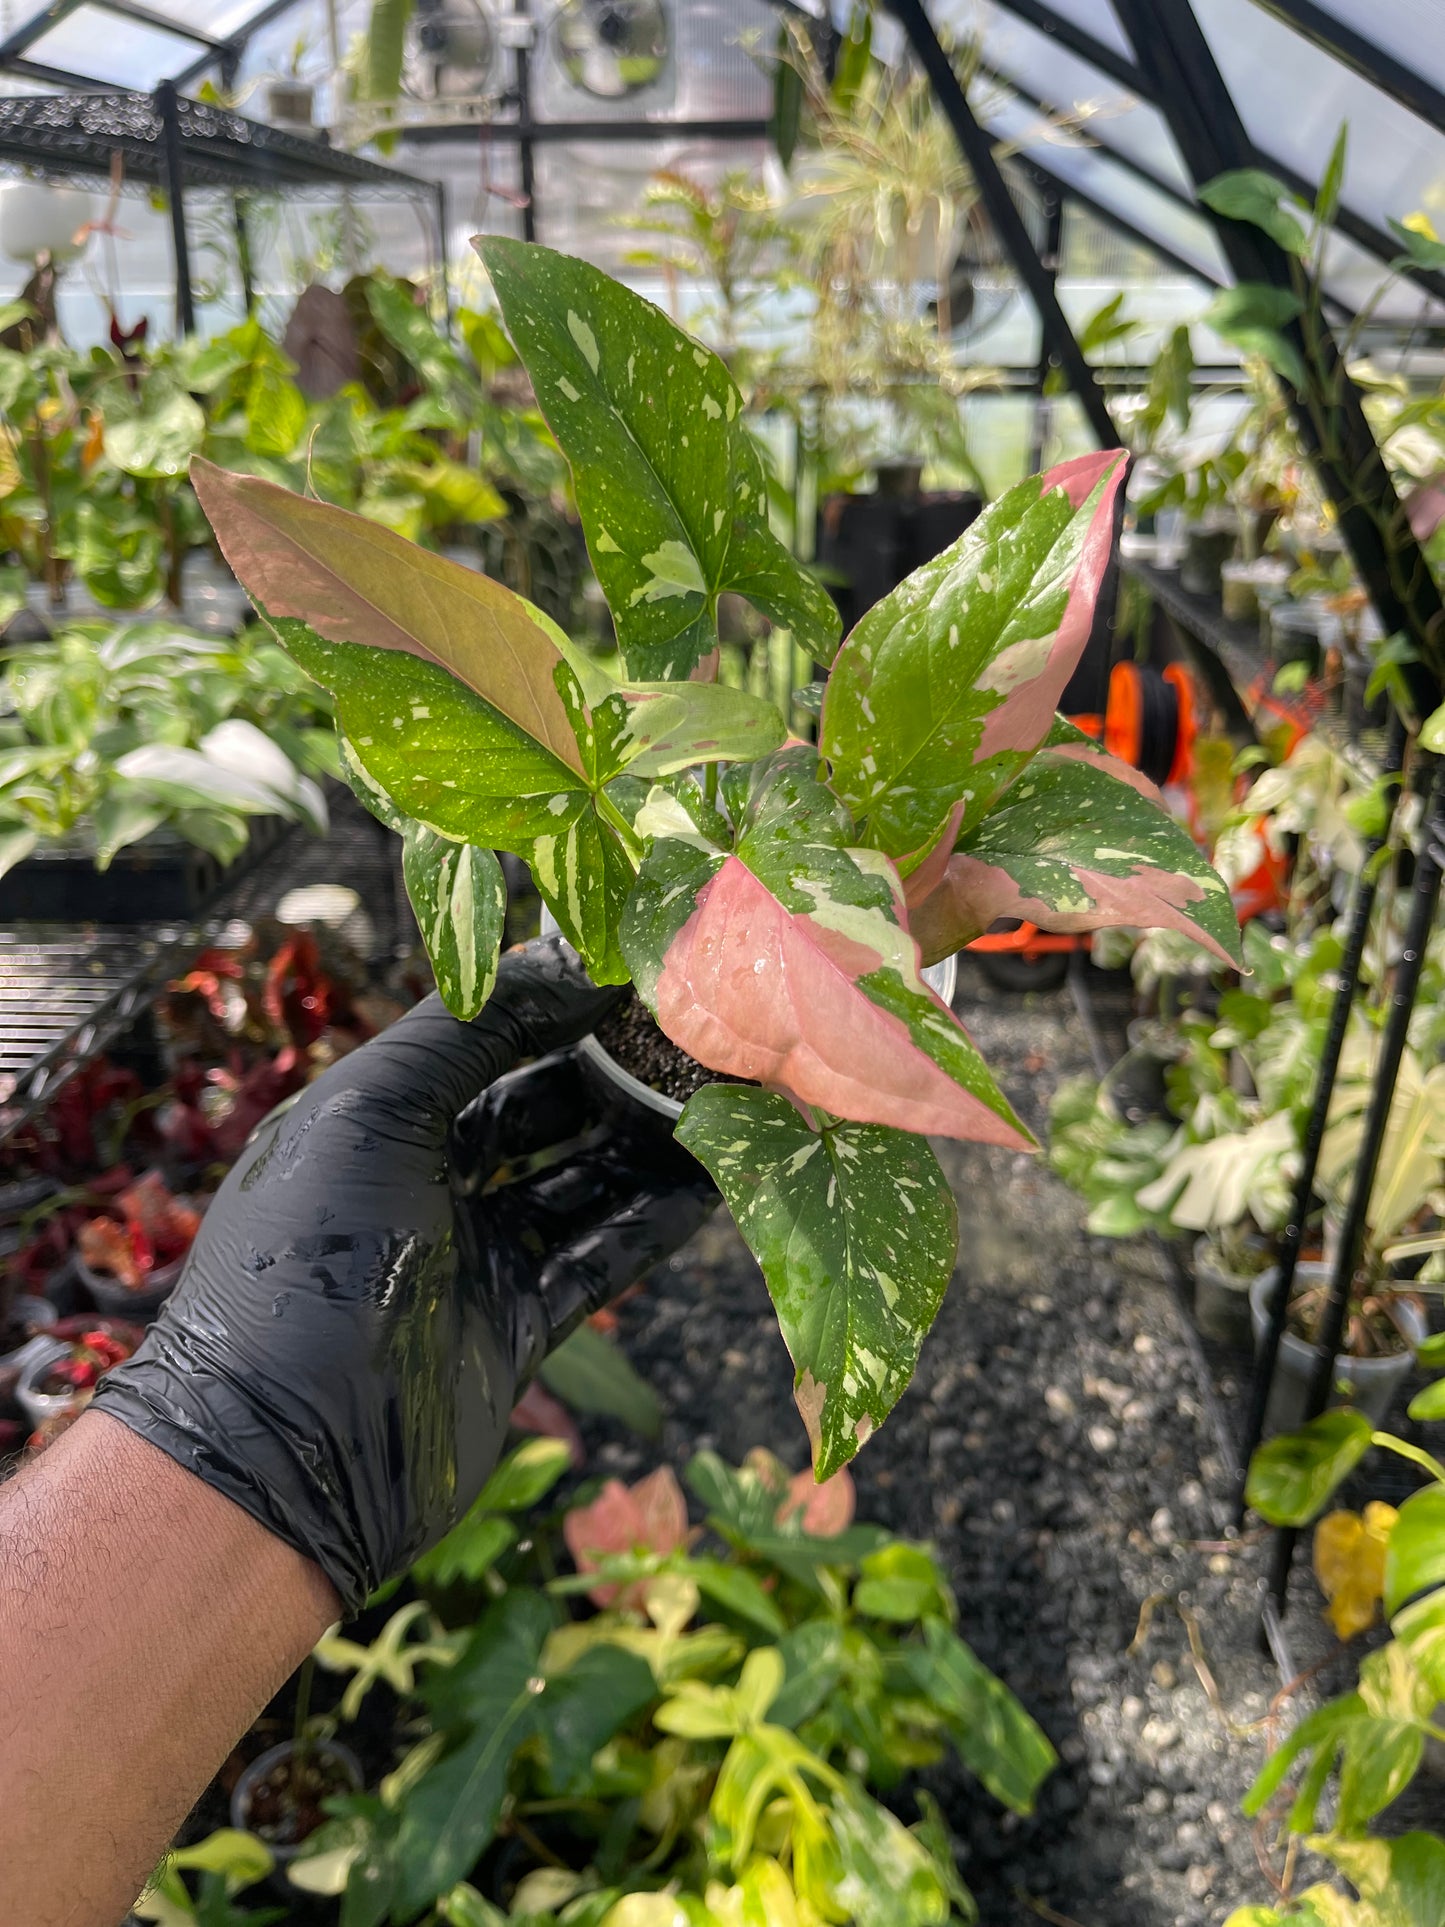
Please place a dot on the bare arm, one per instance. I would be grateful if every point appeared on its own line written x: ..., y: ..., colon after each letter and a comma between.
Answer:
x: 144, y: 1620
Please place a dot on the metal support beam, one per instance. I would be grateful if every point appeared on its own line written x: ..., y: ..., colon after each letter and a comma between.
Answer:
x: 1052, y: 249
x: 1141, y: 83
x: 1329, y: 416
x: 539, y: 132
x: 1007, y: 222
x: 175, y: 195
x: 1362, y: 57
x: 1054, y: 182
x: 1424, y: 900
x: 525, y: 162
x: 1347, y: 983
x: 235, y: 45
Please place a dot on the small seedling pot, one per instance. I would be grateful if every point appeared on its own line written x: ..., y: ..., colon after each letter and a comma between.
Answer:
x: 243, y: 1796
x: 1221, y: 1297
x: 1368, y: 1384
x: 37, y: 1315
x: 290, y: 103
x: 141, y: 1305
x: 45, y: 1354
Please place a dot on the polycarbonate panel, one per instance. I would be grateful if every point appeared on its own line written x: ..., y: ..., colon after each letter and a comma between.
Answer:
x: 1091, y: 172
x: 123, y: 53
x: 1412, y: 30
x: 1093, y: 17
x: 216, y: 19
x: 1107, y: 112
x: 1293, y: 99
x: 1356, y: 279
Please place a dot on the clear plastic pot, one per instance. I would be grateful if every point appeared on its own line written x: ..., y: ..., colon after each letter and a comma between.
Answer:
x: 1368, y: 1384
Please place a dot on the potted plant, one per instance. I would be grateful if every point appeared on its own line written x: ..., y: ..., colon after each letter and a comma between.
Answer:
x: 282, y: 1795
x: 772, y: 902
x: 129, y: 1259
x: 290, y: 97
x: 57, y: 1383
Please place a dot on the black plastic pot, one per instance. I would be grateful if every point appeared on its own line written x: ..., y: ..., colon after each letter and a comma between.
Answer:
x: 245, y: 1789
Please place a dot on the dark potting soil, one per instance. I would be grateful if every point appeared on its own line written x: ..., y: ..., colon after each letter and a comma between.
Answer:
x: 286, y: 1806
x: 629, y: 1034
x: 1056, y: 1449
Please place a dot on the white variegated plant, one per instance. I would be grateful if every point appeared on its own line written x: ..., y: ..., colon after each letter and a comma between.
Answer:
x: 772, y: 901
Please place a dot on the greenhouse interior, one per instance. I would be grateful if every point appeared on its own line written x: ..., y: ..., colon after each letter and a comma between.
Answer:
x: 802, y: 1283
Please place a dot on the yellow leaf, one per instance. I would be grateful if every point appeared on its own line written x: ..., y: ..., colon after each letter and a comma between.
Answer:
x: 1349, y: 1561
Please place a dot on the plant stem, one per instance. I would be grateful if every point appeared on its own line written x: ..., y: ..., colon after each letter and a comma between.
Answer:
x: 1389, y: 1443
x: 710, y: 785
x: 303, y: 1704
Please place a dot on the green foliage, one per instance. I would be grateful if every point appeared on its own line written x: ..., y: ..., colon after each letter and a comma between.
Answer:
x: 107, y: 734
x: 1249, y: 194
x: 764, y: 906
x: 709, y: 1742
x: 1291, y: 1477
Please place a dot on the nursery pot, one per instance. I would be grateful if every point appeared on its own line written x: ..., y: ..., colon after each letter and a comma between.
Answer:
x: 339, y: 1758
x: 37, y: 1315
x: 35, y: 1404
x: 1221, y: 1297
x: 1207, y: 547
x: 289, y: 103
x: 1369, y: 1384
x: 140, y: 1304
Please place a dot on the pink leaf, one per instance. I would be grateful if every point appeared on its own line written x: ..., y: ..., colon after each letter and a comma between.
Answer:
x: 1022, y: 719
x: 650, y: 1516
x: 824, y: 1510
x: 538, y: 1412
x: 760, y: 993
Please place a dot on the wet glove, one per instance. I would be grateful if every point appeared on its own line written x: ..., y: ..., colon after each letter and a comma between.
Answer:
x: 365, y: 1300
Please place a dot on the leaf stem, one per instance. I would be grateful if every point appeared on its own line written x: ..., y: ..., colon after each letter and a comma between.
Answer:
x: 612, y: 816
x: 1389, y: 1443
x: 710, y: 781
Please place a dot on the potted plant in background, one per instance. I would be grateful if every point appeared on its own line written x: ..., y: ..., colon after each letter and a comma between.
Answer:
x: 771, y: 903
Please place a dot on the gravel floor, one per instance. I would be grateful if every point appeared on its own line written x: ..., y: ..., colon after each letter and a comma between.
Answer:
x: 1057, y: 1449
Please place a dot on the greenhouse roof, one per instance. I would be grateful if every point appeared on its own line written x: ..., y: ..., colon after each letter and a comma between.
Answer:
x: 1065, y: 88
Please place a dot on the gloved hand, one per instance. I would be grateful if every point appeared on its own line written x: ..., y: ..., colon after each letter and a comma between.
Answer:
x: 359, y: 1310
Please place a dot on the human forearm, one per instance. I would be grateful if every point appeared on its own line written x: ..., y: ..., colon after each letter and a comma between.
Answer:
x: 144, y: 1621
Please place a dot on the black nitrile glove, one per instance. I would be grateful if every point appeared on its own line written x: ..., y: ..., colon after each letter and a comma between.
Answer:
x: 358, y: 1312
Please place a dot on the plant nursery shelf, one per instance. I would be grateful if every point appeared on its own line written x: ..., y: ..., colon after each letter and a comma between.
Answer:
x: 68, y: 991
x: 1228, y: 653
x: 80, y: 134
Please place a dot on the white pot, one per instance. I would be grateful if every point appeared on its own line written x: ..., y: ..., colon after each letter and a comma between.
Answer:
x: 1368, y: 1384
x: 38, y: 218
x: 36, y: 1405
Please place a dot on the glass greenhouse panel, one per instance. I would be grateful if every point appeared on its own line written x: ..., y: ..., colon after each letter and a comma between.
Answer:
x: 1050, y: 73
x: 123, y: 53
x: 1149, y: 211
x: 216, y: 19
x: 1407, y: 29
x: 1294, y: 99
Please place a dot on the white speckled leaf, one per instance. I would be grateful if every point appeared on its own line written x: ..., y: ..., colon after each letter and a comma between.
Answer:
x: 460, y: 898
x: 1070, y: 847
x: 856, y: 1231
x: 448, y: 759
x: 948, y: 685
x: 669, y: 484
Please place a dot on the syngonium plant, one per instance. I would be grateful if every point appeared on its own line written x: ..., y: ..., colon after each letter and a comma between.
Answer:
x: 772, y: 901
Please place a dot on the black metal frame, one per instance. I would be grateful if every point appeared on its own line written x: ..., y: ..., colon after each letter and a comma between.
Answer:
x: 1362, y: 57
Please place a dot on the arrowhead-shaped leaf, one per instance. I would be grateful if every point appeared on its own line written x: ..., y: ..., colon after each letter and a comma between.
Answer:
x: 948, y: 685
x: 460, y: 898
x: 856, y: 1231
x: 354, y: 581
x: 669, y: 484
x: 450, y: 760
x: 1291, y: 1477
x: 785, y: 963
x: 1070, y: 847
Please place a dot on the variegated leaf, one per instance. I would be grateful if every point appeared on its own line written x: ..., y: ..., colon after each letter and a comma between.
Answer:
x: 948, y: 685
x: 669, y: 484
x: 856, y: 1231
x: 1070, y: 847
x: 460, y: 899
x: 352, y: 580
x: 785, y: 962
x: 450, y: 760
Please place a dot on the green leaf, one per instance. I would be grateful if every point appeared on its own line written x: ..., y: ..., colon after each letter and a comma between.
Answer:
x: 1420, y: 1630
x: 669, y: 483
x: 1249, y: 194
x: 592, y: 1374
x: 902, y: 1583
x: 856, y: 1231
x: 584, y: 1706
x: 469, y: 1550
x: 1327, y: 201
x: 1422, y: 249
x: 525, y: 1476
x: 1432, y: 737
x: 1291, y: 1477
x: 413, y: 333
x: 1069, y: 847
x: 154, y: 434
x: 735, y: 1590
x: 15, y: 846
x: 452, y: 1811
x: 242, y: 1857
x: 1430, y: 1353
x: 1251, y: 316
x: 1415, y: 1556
x: 813, y: 1665
x: 1401, y: 1881
x: 275, y: 410
x: 385, y: 47
x: 947, y: 686
x: 995, y: 1738
x: 1429, y: 1404
x: 459, y: 895
x: 887, y: 1876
